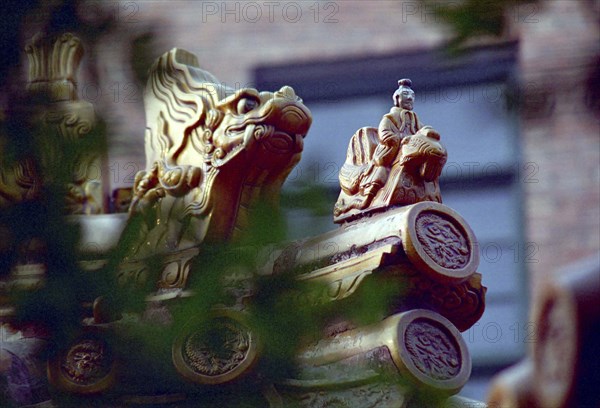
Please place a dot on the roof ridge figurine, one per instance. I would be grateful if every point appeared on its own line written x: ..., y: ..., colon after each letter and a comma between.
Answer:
x: 212, y: 153
x: 398, y: 163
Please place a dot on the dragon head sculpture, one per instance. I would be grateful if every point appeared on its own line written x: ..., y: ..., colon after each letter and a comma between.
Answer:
x: 212, y: 153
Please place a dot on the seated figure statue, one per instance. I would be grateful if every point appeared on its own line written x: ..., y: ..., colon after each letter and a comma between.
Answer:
x: 397, y: 164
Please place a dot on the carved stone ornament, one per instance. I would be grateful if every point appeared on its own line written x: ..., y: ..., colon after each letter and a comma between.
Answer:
x: 432, y: 351
x: 463, y: 304
x: 87, y: 366
x: 439, y: 241
x: 212, y: 152
x: 53, y: 65
x: 54, y: 105
x: 425, y: 348
x: 220, y: 350
x: 398, y: 163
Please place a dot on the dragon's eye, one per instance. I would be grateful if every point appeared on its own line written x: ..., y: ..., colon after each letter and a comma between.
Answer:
x: 245, y: 105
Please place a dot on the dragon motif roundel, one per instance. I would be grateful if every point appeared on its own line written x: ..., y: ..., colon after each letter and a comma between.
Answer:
x: 87, y: 366
x: 432, y: 351
x: 443, y: 240
x: 217, y: 352
x: 440, y: 243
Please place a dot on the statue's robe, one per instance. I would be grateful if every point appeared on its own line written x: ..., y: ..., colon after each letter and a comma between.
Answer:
x: 393, y: 128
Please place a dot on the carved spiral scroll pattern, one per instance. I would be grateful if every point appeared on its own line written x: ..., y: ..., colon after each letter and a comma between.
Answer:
x: 87, y: 362
x: 442, y: 240
x: 432, y: 349
x: 218, y: 351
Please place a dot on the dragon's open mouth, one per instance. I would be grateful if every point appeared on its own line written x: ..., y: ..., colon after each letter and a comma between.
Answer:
x: 274, y: 140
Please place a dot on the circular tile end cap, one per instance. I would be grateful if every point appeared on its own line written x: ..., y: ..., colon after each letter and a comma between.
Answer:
x: 221, y: 350
x: 87, y: 366
x: 439, y: 242
x: 432, y: 352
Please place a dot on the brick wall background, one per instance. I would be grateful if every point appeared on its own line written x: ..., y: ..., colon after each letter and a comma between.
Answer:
x: 560, y: 133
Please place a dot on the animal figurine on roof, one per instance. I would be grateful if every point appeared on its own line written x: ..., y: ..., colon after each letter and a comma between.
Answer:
x: 212, y: 153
